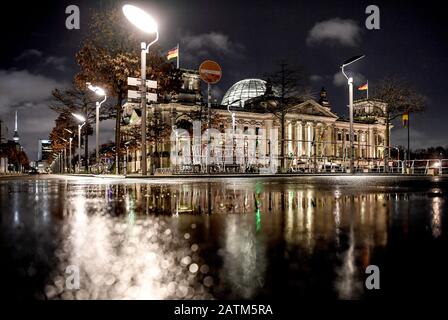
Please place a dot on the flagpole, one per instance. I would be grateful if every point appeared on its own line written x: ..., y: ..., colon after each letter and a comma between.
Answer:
x: 178, y: 56
x: 367, y: 89
x: 409, y: 150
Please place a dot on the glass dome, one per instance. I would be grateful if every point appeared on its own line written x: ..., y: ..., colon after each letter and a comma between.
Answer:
x: 244, y: 90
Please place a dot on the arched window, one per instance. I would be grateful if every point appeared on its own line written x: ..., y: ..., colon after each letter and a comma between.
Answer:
x: 185, y: 124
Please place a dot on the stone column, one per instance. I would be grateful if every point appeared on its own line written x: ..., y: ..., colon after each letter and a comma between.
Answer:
x: 359, y: 143
x: 374, y: 143
x: 299, y: 138
x: 318, y: 131
x: 289, y: 138
x: 268, y: 126
x: 334, y: 140
x: 368, y: 143
x: 309, y: 139
x: 326, y: 141
x: 305, y: 139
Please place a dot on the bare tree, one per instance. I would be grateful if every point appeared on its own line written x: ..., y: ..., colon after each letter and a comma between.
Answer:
x: 80, y: 101
x: 290, y: 84
x: 400, y: 98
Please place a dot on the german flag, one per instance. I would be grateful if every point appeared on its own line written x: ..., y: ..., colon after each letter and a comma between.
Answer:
x: 173, y: 53
x: 364, y: 87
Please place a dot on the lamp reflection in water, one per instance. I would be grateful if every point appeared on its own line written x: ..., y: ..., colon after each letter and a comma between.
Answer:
x: 436, y: 217
x: 347, y: 283
x: 16, y: 208
x: 118, y: 259
x: 124, y: 253
x: 244, y: 258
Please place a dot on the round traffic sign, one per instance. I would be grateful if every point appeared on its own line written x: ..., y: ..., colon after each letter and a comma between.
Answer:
x: 210, y: 71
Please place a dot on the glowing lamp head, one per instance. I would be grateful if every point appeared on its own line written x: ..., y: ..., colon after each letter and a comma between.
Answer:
x: 97, y: 90
x: 140, y: 19
x: 79, y: 117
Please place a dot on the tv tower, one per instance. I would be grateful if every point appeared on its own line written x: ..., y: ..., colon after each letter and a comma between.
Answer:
x: 16, y: 134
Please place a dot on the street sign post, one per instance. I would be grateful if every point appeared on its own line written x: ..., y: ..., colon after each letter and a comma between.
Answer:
x: 150, y: 84
x: 133, y: 94
x: 144, y: 96
x: 210, y: 72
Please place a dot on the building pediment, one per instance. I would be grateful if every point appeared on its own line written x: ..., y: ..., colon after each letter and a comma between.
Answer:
x: 312, y: 108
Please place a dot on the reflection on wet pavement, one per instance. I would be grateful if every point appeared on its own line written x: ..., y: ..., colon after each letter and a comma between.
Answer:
x: 233, y: 238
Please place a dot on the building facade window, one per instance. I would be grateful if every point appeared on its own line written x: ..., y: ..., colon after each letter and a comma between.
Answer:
x: 339, y: 136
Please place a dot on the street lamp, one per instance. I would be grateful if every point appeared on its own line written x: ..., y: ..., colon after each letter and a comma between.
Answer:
x: 126, y: 159
x: 65, y: 154
x: 147, y: 24
x: 233, y: 113
x: 70, y: 150
x: 83, y: 121
x: 350, y: 94
x: 100, y: 92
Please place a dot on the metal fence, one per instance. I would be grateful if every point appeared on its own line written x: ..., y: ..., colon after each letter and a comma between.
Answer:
x: 318, y: 165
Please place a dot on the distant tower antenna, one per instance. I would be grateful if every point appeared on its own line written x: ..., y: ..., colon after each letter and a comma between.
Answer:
x: 16, y: 134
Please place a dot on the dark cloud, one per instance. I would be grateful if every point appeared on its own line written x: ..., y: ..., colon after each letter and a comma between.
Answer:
x: 39, y: 58
x: 59, y: 63
x: 316, y: 78
x: 30, y: 53
x: 30, y: 94
x: 199, y: 46
x: 22, y: 88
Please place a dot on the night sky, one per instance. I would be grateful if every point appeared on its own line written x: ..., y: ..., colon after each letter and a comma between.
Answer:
x: 247, y: 38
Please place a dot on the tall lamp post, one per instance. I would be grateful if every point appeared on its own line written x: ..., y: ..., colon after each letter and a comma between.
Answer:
x: 100, y: 92
x: 127, y: 157
x: 147, y: 24
x: 64, y: 166
x: 233, y: 113
x: 350, y: 95
x: 70, y: 150
x: 83, y: 122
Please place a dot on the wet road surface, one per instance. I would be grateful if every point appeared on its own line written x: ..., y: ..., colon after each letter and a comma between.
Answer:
x: 307, y: 237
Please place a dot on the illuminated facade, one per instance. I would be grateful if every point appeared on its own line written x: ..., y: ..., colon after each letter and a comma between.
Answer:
x: 315, y: 137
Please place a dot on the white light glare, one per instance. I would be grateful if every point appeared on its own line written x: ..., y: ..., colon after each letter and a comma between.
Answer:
x: 79, y: 117
x: 96, y: 89
x: 140, y: 18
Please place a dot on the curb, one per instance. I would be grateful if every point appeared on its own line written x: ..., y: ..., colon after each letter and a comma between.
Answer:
x: 234, y: 176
